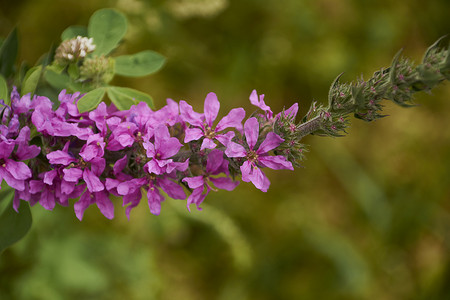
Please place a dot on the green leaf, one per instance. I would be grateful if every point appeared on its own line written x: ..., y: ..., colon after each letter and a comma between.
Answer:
x: 4, y: 94
x: 13, y: 226
x: 31, y: 80
x: 74, y: 31
x: 73, y: 71
x: 139, y: 64
x: 330, y: 93
x: 8, y: 54
x: 91, y: 99
x: 107, y: 27
x: 57, y: 80
x: 124, y: 97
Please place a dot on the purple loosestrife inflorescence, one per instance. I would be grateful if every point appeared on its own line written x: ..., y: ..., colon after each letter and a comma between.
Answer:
x: 132, y: 153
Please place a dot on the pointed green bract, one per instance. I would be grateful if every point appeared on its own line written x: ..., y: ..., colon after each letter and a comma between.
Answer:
x: 31, y: 80
x: 74, y: 31
x: 8, y: 53
x: 4, y: 95
x: 91, y: 99
x: 107, y: 27
x: 393, y: 68
x: 13, y: 226
x: 330, y: 92
x: 139, y: 64
x: 124, y: 98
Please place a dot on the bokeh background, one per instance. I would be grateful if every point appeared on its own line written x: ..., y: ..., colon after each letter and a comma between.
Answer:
x: 368, y: 217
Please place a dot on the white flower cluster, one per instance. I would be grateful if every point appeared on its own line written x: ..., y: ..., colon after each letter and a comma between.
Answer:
x: 75, y: 48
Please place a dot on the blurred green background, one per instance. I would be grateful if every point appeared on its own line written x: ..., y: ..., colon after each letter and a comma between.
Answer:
x: 368, y: 217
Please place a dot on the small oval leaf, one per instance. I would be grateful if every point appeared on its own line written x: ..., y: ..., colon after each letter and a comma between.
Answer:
x: 31, y: 80
x: 91, y: 99
x: 57, y: 80
x: 107, y: 27
x: 139, y: 64
x: 74, y: 31
x: 13, y: 226
x: 124, y: 97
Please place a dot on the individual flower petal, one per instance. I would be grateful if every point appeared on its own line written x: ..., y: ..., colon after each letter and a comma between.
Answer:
x: 120, y: 165
x: 35, y: 186
x: 192, y: 134
x: 225, y: 138
x: 50, y: 176
x: 130, y: 186
x: 47, y: 199
x: 197, y: 197
x: 233, y: 119
x: 174, y: 190
x: 235, y: 150
x: 276, y: 162
x: 72, y: 174
x: 25, y: 151
x: 259, y: 179
x: 133, y: 199
x: 194, y: 182
x: 67, y: 188
x: 251, y: 129
x: 189, y: 115
x: 93, y: 183
x: 291, y: 111
x: 260, y: 103
x: 98, y: 164
x: 271, y: 141
x: 224, y: 183
x: 11, y: 181
x: 82, y: 204
x: 214, y: 162
x: 179, y: 166
x: 208, y: 144
x: 211, y: 108
x: 19, y: 170
x: 6, y: 148
x: 105, y: 205
x: 59, y: 157
x: 154, y: 200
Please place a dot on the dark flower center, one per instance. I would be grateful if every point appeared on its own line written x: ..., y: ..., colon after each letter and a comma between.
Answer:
x: 209, y: 132
x: 252, y: 156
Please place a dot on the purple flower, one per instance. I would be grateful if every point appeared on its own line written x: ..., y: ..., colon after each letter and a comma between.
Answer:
x: 122, y: 136
x: 101, y: 199
x: 151, y: 183
x: 133, y: 195
x: 16, y: 172
x: 168, y: 114
x: 13, y: 172
x: 94, y: 148
x: 90, y: 172
x: 161, y: 150
x: 203, y: 123
x: 215, y: 165
x: 261, y: 104
x: 256, y: 158
x: 51, y: 123
x: 51, y: 189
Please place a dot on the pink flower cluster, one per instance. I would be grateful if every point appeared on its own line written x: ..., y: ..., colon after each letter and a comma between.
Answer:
x: 50, y: 155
